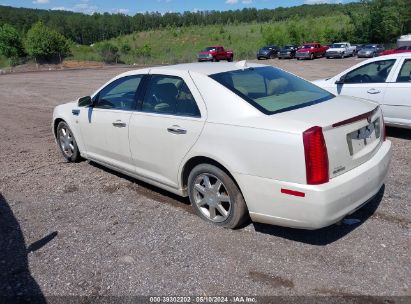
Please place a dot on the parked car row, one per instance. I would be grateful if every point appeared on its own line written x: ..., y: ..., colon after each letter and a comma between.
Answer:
x: 307, y: 51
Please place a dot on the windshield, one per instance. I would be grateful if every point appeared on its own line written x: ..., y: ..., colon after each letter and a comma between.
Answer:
x: 271, y: 90
x: 288, y: 47
x: 209, y: 49
x: 338, y: 45
x: 308, y: 46
x: 369, y: 46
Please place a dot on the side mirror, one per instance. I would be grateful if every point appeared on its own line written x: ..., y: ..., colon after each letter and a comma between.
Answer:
x: 341, y: 80
x: 85, y: 101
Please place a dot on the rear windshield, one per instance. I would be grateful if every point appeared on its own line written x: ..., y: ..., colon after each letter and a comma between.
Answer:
x: 338, y: 45
x: 272, y: 90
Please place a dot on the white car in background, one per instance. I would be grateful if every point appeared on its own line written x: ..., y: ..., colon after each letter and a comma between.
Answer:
x: 385, y: 80
x: 240, y: 140
x: 340, y: 50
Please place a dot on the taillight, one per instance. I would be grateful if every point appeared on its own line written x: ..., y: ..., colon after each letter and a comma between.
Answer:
x: 316, y: 156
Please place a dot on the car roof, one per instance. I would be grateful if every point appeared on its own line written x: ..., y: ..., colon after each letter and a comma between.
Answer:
x: 205, y: 68
x: 395, y: 56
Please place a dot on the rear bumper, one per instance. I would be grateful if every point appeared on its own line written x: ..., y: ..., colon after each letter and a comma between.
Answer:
x: 323, y: 205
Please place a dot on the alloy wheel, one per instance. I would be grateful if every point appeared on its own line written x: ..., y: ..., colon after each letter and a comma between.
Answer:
x: 66, y: 140
x: 212, y: 198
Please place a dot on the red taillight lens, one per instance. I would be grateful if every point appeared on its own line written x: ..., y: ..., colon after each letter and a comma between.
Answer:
x: 316, y: 156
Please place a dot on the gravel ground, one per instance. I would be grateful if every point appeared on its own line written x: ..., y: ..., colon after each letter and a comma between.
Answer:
x: 80, y: 229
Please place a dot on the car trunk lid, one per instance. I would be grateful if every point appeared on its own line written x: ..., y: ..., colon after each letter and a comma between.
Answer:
x: 353, y: 130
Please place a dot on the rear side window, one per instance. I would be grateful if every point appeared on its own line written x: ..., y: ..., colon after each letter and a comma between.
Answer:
x: 374, y: 72
x: 169, y: 95
x: 405, y: 73
x: 271, y: 90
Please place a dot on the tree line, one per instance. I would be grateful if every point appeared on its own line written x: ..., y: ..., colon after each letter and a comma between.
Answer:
x: 46, y: 35
x: 87, y: 29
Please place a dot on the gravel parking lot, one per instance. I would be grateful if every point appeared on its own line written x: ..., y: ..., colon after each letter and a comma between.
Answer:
x: 80, y: 229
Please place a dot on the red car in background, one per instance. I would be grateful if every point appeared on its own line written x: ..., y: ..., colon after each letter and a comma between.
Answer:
x: 311, y: 51
x: 215, y: 53
x: 402, y: 49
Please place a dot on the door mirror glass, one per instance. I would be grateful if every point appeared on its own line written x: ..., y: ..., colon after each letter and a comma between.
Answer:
x: 85, y: 101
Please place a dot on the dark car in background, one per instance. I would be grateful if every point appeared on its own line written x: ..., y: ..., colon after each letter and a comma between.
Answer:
x: 370, y: 50
x: 268, y: 52
x: 287, y: 51
x: 358, y: 47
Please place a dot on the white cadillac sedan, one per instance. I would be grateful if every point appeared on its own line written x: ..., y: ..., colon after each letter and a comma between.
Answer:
x: 386, y: 80
x: 240, y: 140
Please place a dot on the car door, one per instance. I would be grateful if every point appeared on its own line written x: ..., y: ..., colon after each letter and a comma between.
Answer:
x: 169, y: 120
x: 367, y: 81
x: 105, y: 125
x: 397, y: 101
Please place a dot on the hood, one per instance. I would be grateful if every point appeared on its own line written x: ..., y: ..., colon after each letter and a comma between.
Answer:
x: 305, y: 50
x: 367, y: 50
x: 336, y: 49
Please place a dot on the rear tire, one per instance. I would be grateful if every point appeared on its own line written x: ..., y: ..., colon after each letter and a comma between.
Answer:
x: 216, y: 198
x: 230, y: 59
x: 67, y: 143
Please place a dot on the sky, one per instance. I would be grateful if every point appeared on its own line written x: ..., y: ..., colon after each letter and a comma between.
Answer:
x: 136, y: 6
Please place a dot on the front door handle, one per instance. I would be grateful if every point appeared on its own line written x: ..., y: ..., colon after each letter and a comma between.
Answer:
x: 373, y: 91
x: 176, y: 130
x: 119, y: 124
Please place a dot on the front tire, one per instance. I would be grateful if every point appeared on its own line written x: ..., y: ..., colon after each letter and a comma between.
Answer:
x: 215, y: 197
x: 67, y: 143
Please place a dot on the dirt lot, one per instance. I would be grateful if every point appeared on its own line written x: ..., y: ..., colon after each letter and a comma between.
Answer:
x: 80, y: 229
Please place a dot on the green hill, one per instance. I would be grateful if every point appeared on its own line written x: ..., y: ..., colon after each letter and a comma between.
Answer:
x: 174, y: 45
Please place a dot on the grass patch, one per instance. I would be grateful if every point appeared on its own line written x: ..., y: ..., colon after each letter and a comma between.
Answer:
x: 4, y: 62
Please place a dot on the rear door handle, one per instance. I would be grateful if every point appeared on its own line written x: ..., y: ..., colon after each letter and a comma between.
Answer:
x: 176, y: 130
x: 75, y: 112
x: 119, y: 124
x: 373, y: 91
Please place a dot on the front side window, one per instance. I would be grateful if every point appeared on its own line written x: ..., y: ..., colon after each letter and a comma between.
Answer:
x: 374, y: 72
x: 271, y: 90
x: 169, y: 95
x: 120, y: 94
x: 405, y: 73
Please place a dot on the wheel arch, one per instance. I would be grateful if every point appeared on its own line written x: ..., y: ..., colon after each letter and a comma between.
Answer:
x: 55, y: 125
x: 191, y: 163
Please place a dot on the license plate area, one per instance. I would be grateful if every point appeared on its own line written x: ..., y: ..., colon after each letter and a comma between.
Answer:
x: 364, y: 136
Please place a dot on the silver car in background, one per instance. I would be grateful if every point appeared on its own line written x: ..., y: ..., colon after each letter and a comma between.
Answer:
x: 370, y: 50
